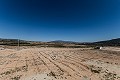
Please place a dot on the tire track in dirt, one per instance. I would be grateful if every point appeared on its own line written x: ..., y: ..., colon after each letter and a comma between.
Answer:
x: 43, y: 62
x: 72, y: 59
x: 72, y: 65
x: 66, y: 67
x: 85, y: 67
x: 65, y: 62
x: 53, y: 67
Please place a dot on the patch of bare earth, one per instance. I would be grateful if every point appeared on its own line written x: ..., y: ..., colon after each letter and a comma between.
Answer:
x: 58, y: 64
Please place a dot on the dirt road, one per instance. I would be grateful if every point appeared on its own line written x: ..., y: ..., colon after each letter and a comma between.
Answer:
x: 58, y: 64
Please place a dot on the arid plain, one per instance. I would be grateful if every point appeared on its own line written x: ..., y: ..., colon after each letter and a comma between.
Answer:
x: 60, y: 64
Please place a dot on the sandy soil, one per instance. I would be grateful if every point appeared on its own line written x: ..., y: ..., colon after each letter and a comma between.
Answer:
x: 58, y: 64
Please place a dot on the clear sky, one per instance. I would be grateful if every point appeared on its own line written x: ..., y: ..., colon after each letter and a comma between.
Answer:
x: 73, y: 20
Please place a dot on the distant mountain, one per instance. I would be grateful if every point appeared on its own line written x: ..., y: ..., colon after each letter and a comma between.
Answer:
x: 113, y: 42
x: 64, y: 42
x: 14, y: 42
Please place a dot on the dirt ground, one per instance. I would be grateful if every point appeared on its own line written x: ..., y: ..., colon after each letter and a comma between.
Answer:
x: 59, y: 64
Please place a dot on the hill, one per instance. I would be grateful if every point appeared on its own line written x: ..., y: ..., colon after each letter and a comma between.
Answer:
x: 112, y: 42
x: 64, y: 42
x: 58, y: 43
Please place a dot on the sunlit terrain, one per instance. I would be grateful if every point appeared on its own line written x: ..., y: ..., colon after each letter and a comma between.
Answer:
x: 59, y: 64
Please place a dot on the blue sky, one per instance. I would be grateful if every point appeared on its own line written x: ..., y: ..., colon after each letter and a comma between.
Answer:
x: 73, y: 20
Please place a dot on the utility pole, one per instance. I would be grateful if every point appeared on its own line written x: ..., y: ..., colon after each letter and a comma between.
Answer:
x: 18, y: 44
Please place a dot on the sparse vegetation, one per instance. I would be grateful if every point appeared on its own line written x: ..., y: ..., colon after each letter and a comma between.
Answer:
x: 110, y: 76
x: 16, y: 77
x: 17, y: 69
x: 95, y: 69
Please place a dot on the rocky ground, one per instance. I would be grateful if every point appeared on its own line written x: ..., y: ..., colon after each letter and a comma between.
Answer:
x: 59, y: 64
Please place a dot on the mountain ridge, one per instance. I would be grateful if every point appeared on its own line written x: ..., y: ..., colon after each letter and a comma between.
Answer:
x: 112, y: 42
